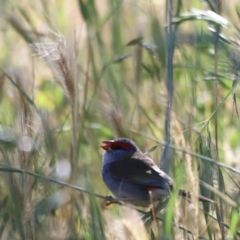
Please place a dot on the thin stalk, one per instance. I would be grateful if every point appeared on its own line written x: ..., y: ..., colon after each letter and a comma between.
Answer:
x: 216, y: 41
x: 170, y: 40
x: 170, y: 52
x: 138, y: 75
x: 170, y: 43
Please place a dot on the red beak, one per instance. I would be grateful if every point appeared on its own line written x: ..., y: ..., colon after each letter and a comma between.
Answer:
x: 106, y: 145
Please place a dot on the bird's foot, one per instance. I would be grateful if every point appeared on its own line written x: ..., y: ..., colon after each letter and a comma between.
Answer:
x: 110, y: 200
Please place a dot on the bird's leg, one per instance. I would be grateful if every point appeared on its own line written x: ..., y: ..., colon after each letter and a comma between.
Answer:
x: 153, y: 213
x: 152, y: 209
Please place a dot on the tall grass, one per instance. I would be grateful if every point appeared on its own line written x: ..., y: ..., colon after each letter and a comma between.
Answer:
x: 164, y: 74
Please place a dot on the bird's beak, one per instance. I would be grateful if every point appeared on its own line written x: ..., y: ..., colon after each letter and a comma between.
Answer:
x: 106, y: 145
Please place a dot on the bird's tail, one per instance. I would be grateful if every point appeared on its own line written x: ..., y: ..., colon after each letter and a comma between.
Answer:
x: 187, y: 195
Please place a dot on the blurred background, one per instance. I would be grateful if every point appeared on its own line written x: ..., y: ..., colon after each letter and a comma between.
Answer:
x: 75, y: 73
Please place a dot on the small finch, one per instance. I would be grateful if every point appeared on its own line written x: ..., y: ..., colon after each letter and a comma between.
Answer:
x: 131, y: 175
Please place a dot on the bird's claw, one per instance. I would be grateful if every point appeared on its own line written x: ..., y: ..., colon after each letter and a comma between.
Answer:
x: 110, y: 200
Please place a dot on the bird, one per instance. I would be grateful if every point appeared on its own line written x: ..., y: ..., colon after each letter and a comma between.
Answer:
x: 131, y: 175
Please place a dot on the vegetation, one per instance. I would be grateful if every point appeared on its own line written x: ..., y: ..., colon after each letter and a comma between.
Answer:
x: 74, y: 73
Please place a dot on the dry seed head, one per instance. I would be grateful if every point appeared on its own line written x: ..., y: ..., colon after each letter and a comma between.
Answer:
x: 18, y: 25
x: 54, y: 228
x: 60, y: 56
x: 28, y: 207
x: 20, y: 77
x: 129, y: 226
x: 112, y: 112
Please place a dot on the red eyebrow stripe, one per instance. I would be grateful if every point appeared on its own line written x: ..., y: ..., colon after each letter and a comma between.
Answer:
x: 106, y: 145
x: 112, y: 144
x: 121, y: 144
